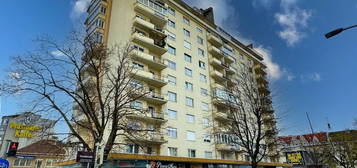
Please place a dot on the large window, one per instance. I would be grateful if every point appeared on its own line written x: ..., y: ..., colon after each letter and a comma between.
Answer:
x: 208, y: 154
x: 171, y: 23
x: 199, y: 40
x: 172, y: 96
x: 172, y: 132
x: 188, y: 72
x: 204, y: 92
x: 22, y: 162
x: 201, y: 64
x: 201, y: 52
x: 198, y: 29
x: 186, y: 21
x: 189, y: 102
x: 186, y: 32
x: 188, y: 58
x: 171, y: 79
x: 172, y: 151
x: 132, y: 148
x: 205, y: 122
x: 190, y: 118
x: 204, y: 106
x: 171, y: 50
x: 192, y: 153
x: 171, y: 64
x: 171, y: 36
x: 187, y: 44
x: 171, y: 11
x: 172, y: 114
x: 138, y: 66
x: 203, y: 78
x: 188, y: 86
x: 136, y: 105
x: 190, y: 135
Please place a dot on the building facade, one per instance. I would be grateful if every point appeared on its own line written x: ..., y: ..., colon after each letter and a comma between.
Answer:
x: 186, y: 62
x: 25, y: 128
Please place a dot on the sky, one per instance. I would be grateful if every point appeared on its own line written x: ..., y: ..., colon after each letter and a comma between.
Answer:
x: 307, y: 73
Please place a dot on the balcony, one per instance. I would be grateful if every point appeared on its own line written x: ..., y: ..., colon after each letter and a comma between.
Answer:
x: 146, y: 25
x: 215, y: 51
x: 149, y: 116
x: 154, y: 62
x: 221, y: 116
x: 150, y: 97
x: 214, y: 40
x: 148, y: 77
x: 153, y: 11
x: 231, y: 70
x: 149, y: 43
x: 261, y: 79
x: 228, y: 58
x: 154, y: 138
x: 227, y: 147
x: 263, y: 88
x: 218, y: 76
x: 216, y: 63
x: 260, y: 69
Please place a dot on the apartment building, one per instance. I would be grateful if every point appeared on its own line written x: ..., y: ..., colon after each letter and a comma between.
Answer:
x: 186, y: 61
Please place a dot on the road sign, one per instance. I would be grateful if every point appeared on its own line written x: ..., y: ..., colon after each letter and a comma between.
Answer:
x: 4, y: 163
x: 85, y: 157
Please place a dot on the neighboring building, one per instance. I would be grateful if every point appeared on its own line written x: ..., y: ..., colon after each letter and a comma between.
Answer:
x: 25, y: 128
x: 309, y: 150
x: 183, y: 58
x: 41, y: 154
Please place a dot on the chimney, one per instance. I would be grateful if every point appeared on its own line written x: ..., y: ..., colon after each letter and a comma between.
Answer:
x: 208, y: 14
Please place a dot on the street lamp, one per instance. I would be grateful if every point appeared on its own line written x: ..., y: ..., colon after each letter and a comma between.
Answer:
x: 338, y: 31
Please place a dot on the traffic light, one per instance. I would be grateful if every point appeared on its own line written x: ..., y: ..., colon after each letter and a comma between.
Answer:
x: 12, y: 149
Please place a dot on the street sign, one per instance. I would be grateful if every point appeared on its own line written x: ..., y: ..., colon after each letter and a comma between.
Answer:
x: 4, y: 163
x: 85, y: 157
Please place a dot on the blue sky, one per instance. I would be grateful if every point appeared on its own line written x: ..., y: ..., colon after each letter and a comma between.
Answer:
x: 308, y: 73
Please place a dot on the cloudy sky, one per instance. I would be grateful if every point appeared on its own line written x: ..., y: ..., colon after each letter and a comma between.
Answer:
x: 307, y: 72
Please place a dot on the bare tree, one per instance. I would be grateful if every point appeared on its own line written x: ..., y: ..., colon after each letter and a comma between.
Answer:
x: 341, y: 148
x: 88, y: 85
x: 251, y: 115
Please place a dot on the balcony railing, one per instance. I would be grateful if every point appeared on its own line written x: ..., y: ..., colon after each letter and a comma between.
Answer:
x: 154, y: 62
x: 157, y: 46
x: 153, y: 10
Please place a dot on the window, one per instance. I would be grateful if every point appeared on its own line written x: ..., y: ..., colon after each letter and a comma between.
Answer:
x: 136, y: 105
x: 191, y: 153
x: 205, y: 122
x: 171, y: 11
x: 208, y: 154
x: 186, y: 21
x: 50, y: 163
x: 203, y: 78
x: 201, y: 52
x: 171, y: 50
x: 136, y: 84
x: 199, y: 40
x: 172, y: 96
x: 187, y: 44
x: 198, y: 29
x: 132, y: 148
x: 201, y: 64
x: 138, y: 66
x: 190, y: 118
x: 188, y: 86
x: 171, y: 65
x: 172, y: 114
x: 242, y: 57
x: 204, y: 106
x: 171, y: 23
x: 186, y: 32
x: 204, y: 92
x: 141, y: 49
x: 206, y: 138
x: 172, y: 151
x: 188, y: 58
x: 134, y: 125
x: 100, y: 23
x: 38, y: 164
x: 189, y: 102
x: 171, y: 36
x: 190, y: 135
x: 172, y: 132
x: 103, y: 9
x: 22, y: 162
x: 171, y: 79
x: 188, y: 72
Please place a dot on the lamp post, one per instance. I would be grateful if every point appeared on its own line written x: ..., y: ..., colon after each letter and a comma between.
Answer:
x: 338, y: 31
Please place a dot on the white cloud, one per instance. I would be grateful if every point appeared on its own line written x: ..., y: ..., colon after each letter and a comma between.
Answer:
x: 316, y: 77
x: 79, y: 8
x: 273, y: 69
x: 293, y: 20
x: 57, y: 53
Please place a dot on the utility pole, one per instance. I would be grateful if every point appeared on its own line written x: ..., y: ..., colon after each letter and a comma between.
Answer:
x: 308, y: 118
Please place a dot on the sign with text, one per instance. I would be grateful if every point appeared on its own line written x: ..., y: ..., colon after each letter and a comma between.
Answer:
x: 294, y: 157
x: 24, y: 131
x: 85, y: 157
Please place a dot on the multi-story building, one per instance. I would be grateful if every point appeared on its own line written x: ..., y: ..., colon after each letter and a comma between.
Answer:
x: 186, y: 61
